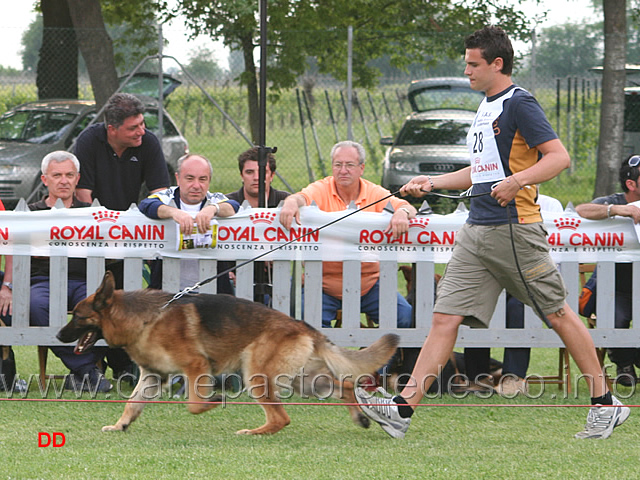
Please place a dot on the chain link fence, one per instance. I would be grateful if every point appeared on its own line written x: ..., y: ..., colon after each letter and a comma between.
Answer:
x: 304, y: 122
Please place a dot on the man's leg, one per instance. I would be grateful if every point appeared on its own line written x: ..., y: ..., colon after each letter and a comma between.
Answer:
x: 516, y: 360
x: 576, y: 338
x: 624, y: 358
x: 330, y: 307
x: 607, y: 411
x: 434, y: 355
x: 394, y: 413
x: 39, y: 316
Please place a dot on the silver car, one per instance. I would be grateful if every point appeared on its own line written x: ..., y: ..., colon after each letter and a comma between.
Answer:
x: 432, y: 142
x: 31, y: 130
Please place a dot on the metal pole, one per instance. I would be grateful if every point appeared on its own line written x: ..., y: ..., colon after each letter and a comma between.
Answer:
x: 349, y: 80
x: 262, y: 134
x: 260, y: 288
x: 160, y: 87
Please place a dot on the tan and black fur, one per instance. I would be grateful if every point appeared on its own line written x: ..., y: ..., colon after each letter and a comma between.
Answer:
x: 208, y: 334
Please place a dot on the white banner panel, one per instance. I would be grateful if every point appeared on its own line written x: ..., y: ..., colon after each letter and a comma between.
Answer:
x: 363, y: 236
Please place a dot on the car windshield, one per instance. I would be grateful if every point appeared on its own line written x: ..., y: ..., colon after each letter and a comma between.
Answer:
x: 34, y: 126
x: 433, y: 132
x: 445, y: 97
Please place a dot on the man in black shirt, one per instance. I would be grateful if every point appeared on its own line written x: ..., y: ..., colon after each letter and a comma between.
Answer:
x: 248, y: 164
x: 117, y: 156
x: 617, y: 204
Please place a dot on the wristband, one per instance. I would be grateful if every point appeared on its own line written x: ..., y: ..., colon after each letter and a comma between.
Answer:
x: 517, y: 182
x: 406, y: 210
x: 431, y: 182
x: 609, y: 210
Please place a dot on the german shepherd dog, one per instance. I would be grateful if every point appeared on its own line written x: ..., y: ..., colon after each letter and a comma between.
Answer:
x: 200, y: 335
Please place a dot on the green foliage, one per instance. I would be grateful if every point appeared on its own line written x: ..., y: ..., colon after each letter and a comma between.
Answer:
x: 203, y: 65
x: 570, y: 49
x: 31, y: 42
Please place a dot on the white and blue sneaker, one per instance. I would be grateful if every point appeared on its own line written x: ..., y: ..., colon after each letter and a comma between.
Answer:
x: 602, y: 419
x: 384, y: 411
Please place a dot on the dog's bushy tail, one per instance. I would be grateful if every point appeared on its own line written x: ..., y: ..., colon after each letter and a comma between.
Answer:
x: 343, y: 362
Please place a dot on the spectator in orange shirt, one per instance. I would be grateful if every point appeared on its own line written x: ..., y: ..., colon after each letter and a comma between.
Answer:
x: 333, y: 194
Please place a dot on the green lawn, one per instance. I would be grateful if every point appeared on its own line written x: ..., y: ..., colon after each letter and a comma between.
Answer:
x: 459, y: 440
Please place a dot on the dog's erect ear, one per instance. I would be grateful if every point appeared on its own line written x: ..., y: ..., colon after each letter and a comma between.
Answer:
x: 104, y: 293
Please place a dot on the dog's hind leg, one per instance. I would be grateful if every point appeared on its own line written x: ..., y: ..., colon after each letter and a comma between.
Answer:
x: 148, y: 388
x: 348, y: 396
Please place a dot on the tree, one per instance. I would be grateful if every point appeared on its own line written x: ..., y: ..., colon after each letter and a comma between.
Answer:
x: 570, y: 49
x: 407, y: 31
x: 57, y: 75
x: 67, y: 22
x: 96, y: 47
x: 31, y: 42
x: 610, y: 146
x: 203, y: 66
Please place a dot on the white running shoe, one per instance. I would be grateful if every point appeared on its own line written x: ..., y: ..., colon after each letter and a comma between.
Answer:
x: 602, y: 419
x: 384, y: 411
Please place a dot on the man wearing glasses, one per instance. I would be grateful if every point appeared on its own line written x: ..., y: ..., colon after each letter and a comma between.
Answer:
x: 334, y: 194
x: 607, y: 207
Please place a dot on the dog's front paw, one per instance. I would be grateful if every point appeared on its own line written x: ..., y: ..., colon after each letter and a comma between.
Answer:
x: 113, y: 428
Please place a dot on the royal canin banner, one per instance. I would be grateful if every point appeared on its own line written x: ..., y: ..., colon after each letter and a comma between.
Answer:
x: 96, y: 231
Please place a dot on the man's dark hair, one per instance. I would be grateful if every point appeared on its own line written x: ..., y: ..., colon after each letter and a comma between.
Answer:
x: 629, y: 170
x: 252, y: 154
x: 494, y: 43
x: 120, y: 107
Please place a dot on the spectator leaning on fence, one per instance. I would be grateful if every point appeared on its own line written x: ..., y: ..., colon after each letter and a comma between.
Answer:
x: 249, y: 173
x: 60, y: 174
x: 116, y: 158
x: 513, y: 148
x: 7, y: 358
x: 119, y: 155
x: 334, y: 194
x: 606, y: 207
x: 194, y: 204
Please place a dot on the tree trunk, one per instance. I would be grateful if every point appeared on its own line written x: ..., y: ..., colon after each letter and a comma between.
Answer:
x: 610, y: 145
x: 96, y: 47
x: 252, y: 86
x: 57, y: 75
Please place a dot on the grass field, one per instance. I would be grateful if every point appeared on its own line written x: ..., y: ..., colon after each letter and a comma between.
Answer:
x: 457, y: 441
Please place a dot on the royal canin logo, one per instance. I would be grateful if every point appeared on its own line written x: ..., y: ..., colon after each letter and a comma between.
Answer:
x: 262, y: 217
x: 419, y: 222
x: 567, y: 223
x: 106, y: 216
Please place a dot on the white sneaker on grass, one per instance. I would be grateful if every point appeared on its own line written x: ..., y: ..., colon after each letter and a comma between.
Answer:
x: 384, y: 411
x: 602, y: 419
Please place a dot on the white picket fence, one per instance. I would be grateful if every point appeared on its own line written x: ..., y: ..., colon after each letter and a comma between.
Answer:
x: 287, y: 280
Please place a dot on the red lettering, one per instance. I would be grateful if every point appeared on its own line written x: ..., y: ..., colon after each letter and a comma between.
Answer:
x: 61, y: 437
x: 4, y: 233
x: 42, y: 435
x: 223, y: 234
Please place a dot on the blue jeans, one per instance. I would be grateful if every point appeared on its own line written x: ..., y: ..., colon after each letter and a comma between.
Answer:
x: 39, y: 316
x: 369, y: 304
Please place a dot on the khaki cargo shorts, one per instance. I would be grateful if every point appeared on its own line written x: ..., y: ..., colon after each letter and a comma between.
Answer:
x: 482, y: 265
